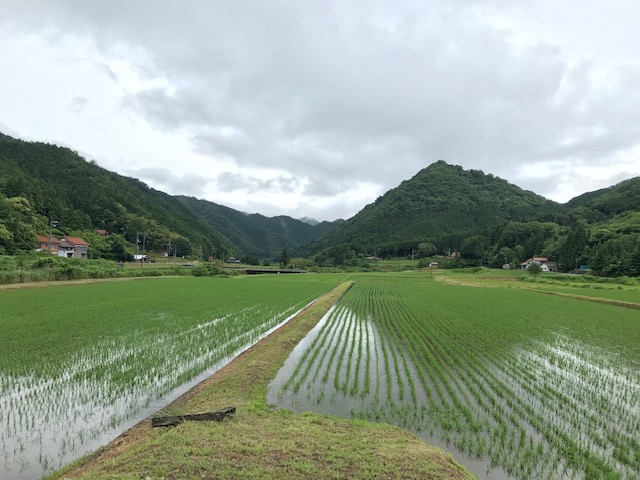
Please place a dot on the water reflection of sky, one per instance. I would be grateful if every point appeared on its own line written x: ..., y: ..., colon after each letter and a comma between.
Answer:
x: 602, y: 395
x: 48, y: 422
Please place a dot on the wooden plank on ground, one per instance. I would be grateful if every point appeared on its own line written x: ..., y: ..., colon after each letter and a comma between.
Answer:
x: 171, y: 421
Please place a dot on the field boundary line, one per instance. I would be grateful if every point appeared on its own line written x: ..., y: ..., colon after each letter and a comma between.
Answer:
x: 606, y: 301
x: 79, y: 281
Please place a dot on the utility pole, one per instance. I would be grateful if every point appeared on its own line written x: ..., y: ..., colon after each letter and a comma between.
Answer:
x: 52, y: 223
x: 144, y: 246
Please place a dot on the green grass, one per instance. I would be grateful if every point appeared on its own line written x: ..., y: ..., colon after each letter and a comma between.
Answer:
x: 612, y: 292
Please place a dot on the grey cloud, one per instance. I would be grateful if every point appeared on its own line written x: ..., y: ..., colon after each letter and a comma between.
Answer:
x: 321, y: 187
x: 234, y: 182
x: 374, y: 91
x: 78, y: 104
x: 173, y: 182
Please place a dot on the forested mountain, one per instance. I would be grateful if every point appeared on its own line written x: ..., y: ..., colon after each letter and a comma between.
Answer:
x: 41, y: 182
x: 441, y: 201
x: 469, y: 217
x: 623, y: 197
x: 254, y: 234
x: 477, y: 219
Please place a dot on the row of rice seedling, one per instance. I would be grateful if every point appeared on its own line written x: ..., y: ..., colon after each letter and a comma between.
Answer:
x: 530, y: 392
x: 153, y: 337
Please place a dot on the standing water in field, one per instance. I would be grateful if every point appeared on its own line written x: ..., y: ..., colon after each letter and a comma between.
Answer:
x: 546, y: 406
x: 51, y: 417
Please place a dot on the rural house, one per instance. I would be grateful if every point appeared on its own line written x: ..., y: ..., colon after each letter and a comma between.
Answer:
x: 545, y: 264
x: 49, y: 244
x: 73, y: 247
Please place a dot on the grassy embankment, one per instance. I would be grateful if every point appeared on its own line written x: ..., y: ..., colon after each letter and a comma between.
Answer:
x: 616, y: 291
x: 260, y: 442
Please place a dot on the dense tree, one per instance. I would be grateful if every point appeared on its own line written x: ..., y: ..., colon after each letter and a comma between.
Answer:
x: 426, y: 249
x: 475, y: 248
x: 284, y: 257
x: 573, y: 247
x: 59, y: 184
x: 534, y: 270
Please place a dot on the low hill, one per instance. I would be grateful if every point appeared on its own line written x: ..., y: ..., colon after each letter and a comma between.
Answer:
x: 39, y: 181
x: 622, y: 197
x: 441, y: 199
x: 254, y: 234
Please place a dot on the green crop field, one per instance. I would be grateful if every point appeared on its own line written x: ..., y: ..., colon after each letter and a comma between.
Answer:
x: 517, y: 384
x: 77, y: 363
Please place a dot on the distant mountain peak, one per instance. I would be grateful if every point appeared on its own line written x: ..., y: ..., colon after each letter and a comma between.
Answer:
x: 309, y: 220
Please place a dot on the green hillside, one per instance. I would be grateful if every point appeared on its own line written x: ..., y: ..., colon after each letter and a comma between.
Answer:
x: 623, y: 197
x: 467, y: 217
x: 254, y: 234
x: 440, y: 200
x: 39, y: 182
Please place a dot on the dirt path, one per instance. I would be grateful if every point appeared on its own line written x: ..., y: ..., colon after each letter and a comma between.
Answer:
x: 58, y: 283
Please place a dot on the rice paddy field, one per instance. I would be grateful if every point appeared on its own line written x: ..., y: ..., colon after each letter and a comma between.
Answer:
x: 515, y: 383
x: 81, y: 363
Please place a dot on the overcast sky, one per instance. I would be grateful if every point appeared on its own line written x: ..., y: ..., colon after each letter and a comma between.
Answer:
x: 315, y: 108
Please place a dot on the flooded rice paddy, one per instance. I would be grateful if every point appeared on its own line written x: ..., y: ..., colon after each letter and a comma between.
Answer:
x: 536, y: 403
x: 54, y: 412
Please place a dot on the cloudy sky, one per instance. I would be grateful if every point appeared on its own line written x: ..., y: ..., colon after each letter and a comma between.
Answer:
x: 315, y: 108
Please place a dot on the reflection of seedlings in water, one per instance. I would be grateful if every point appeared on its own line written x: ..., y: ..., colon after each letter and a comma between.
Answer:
x: 52, y: 417
x: 552, y: 408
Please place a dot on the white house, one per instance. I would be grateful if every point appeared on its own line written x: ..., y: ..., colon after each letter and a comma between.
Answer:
x: 545, y: 264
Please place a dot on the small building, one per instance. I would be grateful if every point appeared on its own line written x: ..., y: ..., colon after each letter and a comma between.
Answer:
x: 73, y: 247
x: 102, y: 233
x: 546, y: 265
x: 434, y: 264
x: 48, y: 244
x: 141, y: 258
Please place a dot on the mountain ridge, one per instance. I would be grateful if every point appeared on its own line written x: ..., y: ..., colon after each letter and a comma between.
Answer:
x: 442, y: 208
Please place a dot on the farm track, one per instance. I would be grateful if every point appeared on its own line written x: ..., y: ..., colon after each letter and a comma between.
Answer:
x: 606, y: 301
x: 259, y: 442
x: 486, y: 282
x: 61, y: 283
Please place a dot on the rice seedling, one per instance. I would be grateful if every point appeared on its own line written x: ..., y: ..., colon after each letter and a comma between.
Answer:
x: 78, y: 364
x: 513, y: 388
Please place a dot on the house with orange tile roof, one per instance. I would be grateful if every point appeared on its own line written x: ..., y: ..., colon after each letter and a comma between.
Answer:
x: 48, y: 244
x: 73, y: 247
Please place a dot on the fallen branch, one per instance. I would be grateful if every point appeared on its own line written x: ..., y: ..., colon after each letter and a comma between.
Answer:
x: 218, y: 416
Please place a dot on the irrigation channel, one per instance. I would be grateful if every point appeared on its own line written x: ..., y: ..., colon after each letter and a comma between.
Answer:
x: 48, y: 422
x: 511, y: 392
